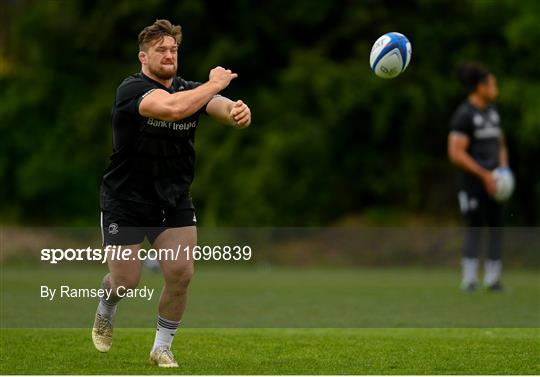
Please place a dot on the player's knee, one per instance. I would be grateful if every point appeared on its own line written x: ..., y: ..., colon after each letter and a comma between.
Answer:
x: 180, y: 277
x: 184, y: 276
x: 129, y: 282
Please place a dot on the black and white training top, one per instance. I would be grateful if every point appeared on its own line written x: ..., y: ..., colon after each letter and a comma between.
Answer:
x: 484, y: 132
x: 153, y: 160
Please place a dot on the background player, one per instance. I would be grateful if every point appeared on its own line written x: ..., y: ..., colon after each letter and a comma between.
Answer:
x: 145, y: 189
x: 476, y: 145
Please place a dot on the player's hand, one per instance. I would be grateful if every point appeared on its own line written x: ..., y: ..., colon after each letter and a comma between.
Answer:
x: 489, y: 183
x: 241, y: 114
x: 221, y: 77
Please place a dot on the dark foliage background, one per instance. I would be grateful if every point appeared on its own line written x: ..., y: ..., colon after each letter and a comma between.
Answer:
x: 329, y: 141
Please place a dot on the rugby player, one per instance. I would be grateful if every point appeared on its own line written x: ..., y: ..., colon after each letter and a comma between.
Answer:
x: 145, y: 191
x: 476, y: 144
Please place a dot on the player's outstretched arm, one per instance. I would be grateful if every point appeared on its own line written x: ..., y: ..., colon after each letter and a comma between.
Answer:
x: 160, y: 104
x: 233, y: 113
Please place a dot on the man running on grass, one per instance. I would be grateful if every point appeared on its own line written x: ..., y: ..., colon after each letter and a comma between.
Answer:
x: 145, y: 189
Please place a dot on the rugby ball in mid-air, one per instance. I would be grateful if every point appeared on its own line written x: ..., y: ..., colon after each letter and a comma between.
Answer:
x: 504, y: 180
x: 390, y: 55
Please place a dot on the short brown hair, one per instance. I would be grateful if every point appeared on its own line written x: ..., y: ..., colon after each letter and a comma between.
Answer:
x: 157, y: 31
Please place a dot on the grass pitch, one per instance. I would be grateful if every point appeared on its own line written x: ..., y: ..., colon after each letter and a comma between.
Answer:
x: 279, y: 351
x: 254, y: 297
x: 250, y: 320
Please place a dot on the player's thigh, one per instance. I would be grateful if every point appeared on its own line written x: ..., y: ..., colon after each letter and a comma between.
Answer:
x: 178, y: 265
x: 124, y: 225
x: 471, y: 206
x: 494, y: 212
x: 124, y: 265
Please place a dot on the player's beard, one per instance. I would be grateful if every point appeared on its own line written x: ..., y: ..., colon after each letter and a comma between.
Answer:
x: 164, y: 73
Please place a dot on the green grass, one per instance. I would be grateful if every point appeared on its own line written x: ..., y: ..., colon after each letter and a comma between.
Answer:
x: 223, y: 297
x: 253, y: 320
x: 279, y: 351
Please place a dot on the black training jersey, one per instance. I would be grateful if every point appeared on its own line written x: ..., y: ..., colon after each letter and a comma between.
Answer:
x: 153, y: 160
x: 484, y: 132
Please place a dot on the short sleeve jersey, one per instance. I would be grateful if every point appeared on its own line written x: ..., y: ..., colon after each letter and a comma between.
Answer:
x: 153, y: 160
x: 484, y: 132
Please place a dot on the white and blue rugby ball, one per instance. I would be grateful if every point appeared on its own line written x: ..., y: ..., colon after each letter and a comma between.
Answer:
x: 390, y: 55
x: 504, y: 180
